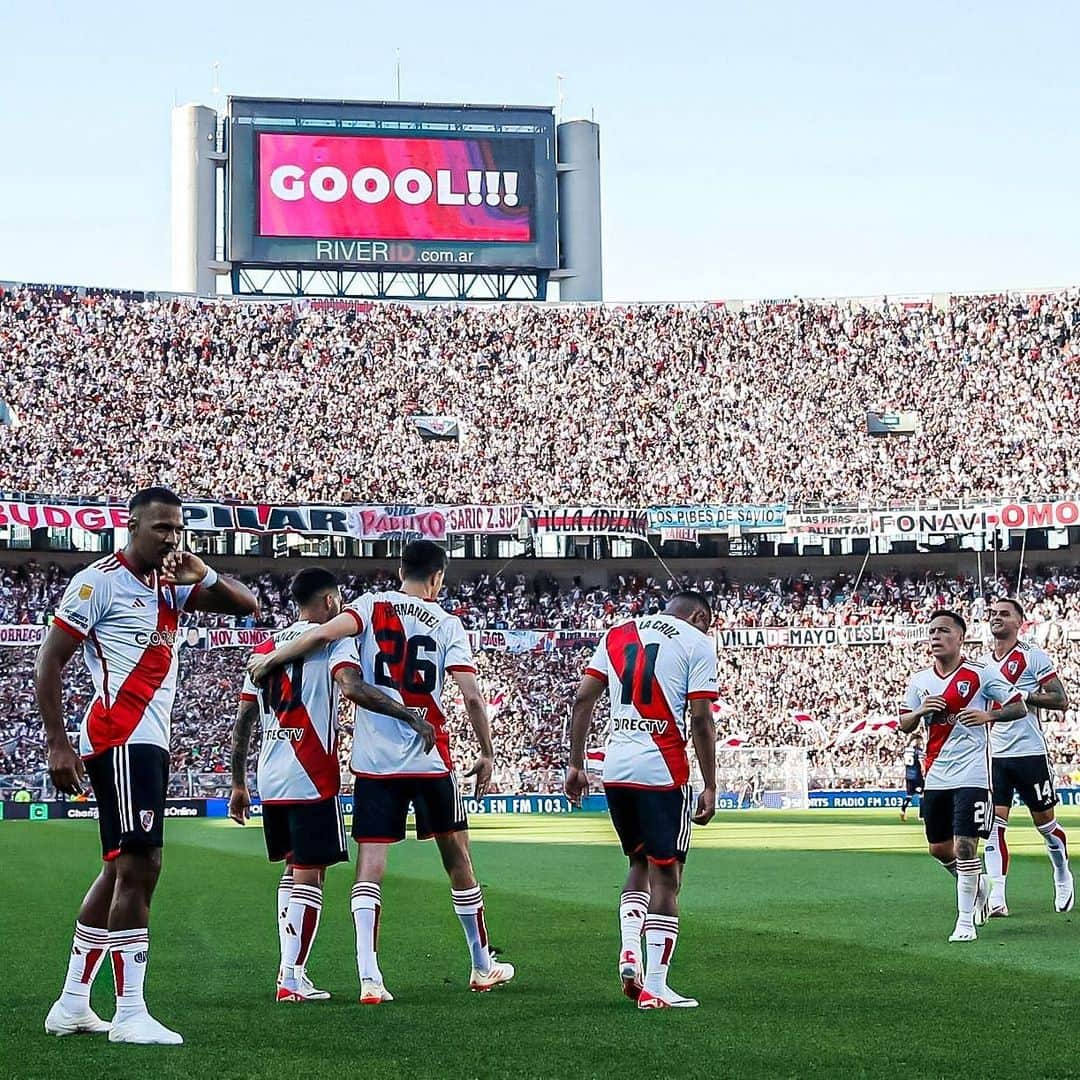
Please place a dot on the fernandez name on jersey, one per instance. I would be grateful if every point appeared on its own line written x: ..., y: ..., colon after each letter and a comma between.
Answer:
x: 407, y: 646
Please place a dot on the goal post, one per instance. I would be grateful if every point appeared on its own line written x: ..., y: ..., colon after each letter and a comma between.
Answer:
x: 762, y: 777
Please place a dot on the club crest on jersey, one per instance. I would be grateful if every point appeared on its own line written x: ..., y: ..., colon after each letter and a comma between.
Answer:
x: 1013, y: 666
x: 146, y: 819
x: 964, y: 687
x: 85, y: 592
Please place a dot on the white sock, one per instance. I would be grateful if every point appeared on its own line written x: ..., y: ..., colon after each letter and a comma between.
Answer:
x: 996, y: 851
x: 366, y: 909
x: 129, y: 949
x: 632, y: 909
x: 968, y: 872
x: 284, y: 894
x: 305, y: 907
x: 1056, y: 847
x: 88, y: 950
x: 469, y: 905
x: 661, y: 936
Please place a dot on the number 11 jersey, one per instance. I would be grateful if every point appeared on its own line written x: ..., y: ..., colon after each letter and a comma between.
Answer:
x: 407, y: 647
x: 653, y: 667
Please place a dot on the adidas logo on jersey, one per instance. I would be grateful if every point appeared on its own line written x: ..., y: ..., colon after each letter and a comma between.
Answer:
x: 138, y: 602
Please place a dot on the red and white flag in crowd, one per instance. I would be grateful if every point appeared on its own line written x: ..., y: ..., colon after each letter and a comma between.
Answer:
x: 495, y: 703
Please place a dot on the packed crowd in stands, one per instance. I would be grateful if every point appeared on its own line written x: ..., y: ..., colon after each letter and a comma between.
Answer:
x: 805, y: 697
x: 631, y: 405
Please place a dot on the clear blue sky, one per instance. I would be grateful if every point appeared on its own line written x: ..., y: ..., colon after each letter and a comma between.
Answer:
x: 752, y: 149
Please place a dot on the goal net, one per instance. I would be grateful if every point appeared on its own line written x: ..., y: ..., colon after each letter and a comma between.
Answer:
x: 762, y: 777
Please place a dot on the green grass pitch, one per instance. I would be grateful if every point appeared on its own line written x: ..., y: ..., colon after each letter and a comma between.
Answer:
x: 816, y: 943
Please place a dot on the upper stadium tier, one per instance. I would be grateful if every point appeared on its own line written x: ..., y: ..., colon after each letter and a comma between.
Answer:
x: 638, y: 405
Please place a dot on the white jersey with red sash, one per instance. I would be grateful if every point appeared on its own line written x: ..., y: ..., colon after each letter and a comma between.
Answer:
x: 129, y: 631
x: 407, y: 647
x: 298, y: 709
x: 957, y: 756
x: 652, y: 666
x: 1028, y: 668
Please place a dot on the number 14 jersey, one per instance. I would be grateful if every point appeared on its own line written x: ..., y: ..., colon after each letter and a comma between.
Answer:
x: 407, y: 647
x: 653, y: 667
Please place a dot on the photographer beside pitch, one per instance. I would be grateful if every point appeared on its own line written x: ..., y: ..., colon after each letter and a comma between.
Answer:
x: 125, y: 611
x: 954, y: 698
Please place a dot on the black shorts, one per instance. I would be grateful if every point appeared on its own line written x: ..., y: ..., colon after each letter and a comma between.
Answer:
x: 129, y: 784
x: 654, y: 822
x: 966, y: 811
x: 381, y: 807
x: 913, y: 787
x: 1029, y: 777
x: 308, y: 834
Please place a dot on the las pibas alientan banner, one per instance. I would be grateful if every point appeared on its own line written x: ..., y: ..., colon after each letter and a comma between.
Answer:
x: 405, y: 521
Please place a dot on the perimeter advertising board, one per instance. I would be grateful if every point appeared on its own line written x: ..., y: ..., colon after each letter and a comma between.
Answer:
x: 388, y: 184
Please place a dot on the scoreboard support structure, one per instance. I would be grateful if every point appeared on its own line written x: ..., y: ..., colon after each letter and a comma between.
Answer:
x: 233, y: 231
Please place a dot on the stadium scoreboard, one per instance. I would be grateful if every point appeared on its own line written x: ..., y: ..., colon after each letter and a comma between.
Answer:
x: 391, y: 185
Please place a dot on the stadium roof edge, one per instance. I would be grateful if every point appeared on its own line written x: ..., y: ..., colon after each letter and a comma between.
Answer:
x: 396, y: 104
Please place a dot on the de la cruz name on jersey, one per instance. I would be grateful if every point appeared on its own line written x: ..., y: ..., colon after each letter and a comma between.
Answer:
x: 298, y: 710
x: 956, y: 755
x: 130, y: 635
x: 407, y: 647
x: 652, y: 666
x: 1028, y: 668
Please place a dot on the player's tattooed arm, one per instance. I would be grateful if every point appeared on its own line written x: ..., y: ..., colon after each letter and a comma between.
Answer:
x: 703, y: 732
x: 589, y: 692
x: 340, y: 626
x: 368, y: 697
x: 1050, y: 695
x: 240, y: 800
x: 1014, y: 710
x: 476, y: 710
x: 66, y: 769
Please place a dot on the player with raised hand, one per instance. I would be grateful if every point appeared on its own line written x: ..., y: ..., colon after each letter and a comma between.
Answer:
x: 408, y: 644
x: 953, y: 699
x: 124, y: 610
x: 299, y: 775
x: 654, y: 669
x: 1021, y: 756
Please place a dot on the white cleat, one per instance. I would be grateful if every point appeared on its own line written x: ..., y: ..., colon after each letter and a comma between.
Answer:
x: 61, y: 1022
x: 631, y: 975
x: 373, y: 993
x: 668, y: 999
x: 480, y: 982
x: 1064, y: 895
x: 999, y: 911
x: 143, y: 1028
x: 963, y: 932
x: 982, y: 902
x: 300, y: 990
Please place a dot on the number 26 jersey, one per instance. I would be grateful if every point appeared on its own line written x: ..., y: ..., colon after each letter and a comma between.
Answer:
x: 407, y: 648
x: 653, y: 667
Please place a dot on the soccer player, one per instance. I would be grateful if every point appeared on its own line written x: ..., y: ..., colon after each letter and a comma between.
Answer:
x: 913, y: 774
x: 653, y: 668
x: 1021, y: 756
x: 124, y: 610
x: 299, y: 775
x: 953, y: 698
x: 408, y: 645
